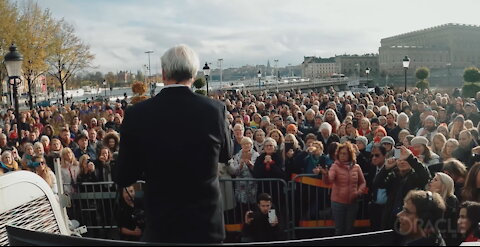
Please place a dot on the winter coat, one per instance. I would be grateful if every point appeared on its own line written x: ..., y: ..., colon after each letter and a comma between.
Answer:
x: 347, y: 182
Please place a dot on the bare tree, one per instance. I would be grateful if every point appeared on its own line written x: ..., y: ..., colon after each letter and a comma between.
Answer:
x: 69, y: 55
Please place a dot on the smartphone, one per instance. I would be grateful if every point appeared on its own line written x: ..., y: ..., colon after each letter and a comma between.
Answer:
x: 272, y: 217
x: 250, y: 215
x: 396, y: 153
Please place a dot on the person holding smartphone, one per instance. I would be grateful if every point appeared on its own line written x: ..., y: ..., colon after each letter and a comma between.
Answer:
x: 398, y: 177
x: 263, y: 224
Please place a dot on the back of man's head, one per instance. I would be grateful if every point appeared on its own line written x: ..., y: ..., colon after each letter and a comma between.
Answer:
x: 180, y: 63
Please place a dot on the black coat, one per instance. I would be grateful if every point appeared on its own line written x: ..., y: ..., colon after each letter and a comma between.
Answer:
x: 398, y: 187
x: 326, y: 143
x: 260, y: 230
x: 176, y: 140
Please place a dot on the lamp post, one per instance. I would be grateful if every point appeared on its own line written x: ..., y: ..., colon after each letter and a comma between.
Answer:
x: 367, y: 72
x: 206, y: 73
x: 150, y: 73
x: 13, y: 63
x: 259, y: 75
x: 406, y: 63
x: 449, y: 65
x: 105, y: 87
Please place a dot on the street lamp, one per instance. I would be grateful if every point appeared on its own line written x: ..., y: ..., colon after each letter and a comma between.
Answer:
x: 367, y: 72
x: 259, y: 75
x: 13, y: 63
x: 406, y: 63
x: 206, y: 73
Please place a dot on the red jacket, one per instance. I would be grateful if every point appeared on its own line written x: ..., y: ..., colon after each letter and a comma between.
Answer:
x: 347, y: 182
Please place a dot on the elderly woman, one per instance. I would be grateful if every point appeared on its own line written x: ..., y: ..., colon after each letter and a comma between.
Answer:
x: 348, y: 184
x: 269, y: 163
x: 277, y: 135
x: 8, y: 163
x: 38, y: 149
x: 238, y: 131
x: 242, y: 167
x: 325, y: 135
x: 45, y: 140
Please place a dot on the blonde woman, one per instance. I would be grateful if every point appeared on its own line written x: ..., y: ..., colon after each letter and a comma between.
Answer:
x: 70, y: 169
x: 445, y: 186
x: 365, y: 127
x: 40, y: 167
x: 450, y: 146
x: 330, y: 117
x: 457, y: 126
x: 438, y: 143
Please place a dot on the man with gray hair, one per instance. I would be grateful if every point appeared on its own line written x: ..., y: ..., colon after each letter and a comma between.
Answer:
x: 160, y: 143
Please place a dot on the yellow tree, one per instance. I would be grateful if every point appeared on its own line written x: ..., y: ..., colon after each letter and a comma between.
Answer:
x: 9, y: 14
x: 69, y: 55
x: 34, y: 39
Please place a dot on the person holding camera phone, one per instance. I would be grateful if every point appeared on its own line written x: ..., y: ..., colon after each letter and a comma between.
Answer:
x: 263, y: 224
x: 398, y: 177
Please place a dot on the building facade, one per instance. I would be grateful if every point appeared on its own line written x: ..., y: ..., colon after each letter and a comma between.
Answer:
x: 449, y: 46
x: 354, y: 65
x: 316, y: 67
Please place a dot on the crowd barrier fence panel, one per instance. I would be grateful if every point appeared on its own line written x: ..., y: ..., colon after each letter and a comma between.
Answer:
x: 310, y: 201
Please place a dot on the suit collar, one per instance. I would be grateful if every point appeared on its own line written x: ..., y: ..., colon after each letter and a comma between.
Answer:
x: 175, y: 90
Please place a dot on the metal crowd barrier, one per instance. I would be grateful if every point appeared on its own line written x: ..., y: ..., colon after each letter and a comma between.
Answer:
x: 310, y: 201
x: 302, y: 203
x: 240, y: 196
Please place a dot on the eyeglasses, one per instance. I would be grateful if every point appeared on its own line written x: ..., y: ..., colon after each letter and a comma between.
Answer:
x: 376, y: 155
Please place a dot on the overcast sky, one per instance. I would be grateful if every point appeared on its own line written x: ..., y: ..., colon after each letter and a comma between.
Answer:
x: 246, y: 31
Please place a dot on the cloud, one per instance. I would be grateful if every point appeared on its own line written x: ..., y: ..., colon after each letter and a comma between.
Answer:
x: 247, y: 32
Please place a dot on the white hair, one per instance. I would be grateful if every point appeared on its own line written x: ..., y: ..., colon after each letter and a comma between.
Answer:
x: 272, y: 141
x: 327, y: 126
x: 38, y: 145
x: 239, y: 126
x: 403, y: 115
x: 180, y: 63
x: 44, y: 138
x: 384, y: 109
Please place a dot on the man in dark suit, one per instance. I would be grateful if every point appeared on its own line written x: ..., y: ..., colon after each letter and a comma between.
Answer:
x: 175, y: 141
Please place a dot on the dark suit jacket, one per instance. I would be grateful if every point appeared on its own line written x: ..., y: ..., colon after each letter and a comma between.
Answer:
x: 175, y: 140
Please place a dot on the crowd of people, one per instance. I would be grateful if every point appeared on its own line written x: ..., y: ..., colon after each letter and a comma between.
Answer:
x: 412, y: 155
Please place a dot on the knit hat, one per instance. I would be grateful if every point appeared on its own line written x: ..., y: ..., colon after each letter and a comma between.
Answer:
x: 265, y: 118
x: 291, y: 127
x: 362, y: 139
x: 419, y: 140
x: 290, y: 119
x: 431, y: 118
x: 388, y: 139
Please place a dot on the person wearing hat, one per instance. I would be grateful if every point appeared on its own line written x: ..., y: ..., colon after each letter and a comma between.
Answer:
x: 363, y: 156
x: 293, y: 129
x: 389, y: 143
x: 429, y: 128
x: 83, y: 147
x: 423, y: 151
